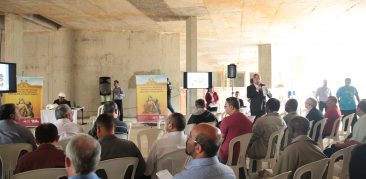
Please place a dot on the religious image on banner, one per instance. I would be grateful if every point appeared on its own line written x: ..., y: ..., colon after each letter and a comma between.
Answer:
x: 151, y: 94
x: 28, y: 99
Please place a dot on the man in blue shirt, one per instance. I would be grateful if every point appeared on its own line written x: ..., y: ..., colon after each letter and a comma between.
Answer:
x: 202, y: 145
x: 82, y: 156
x: 346, y: 97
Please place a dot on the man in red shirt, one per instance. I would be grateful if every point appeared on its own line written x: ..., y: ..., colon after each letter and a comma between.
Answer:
x: 46, y: 155
x: 332, y: 114
x: 234, y: 125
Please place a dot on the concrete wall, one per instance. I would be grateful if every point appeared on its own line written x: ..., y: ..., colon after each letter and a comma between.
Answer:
x: 48, y: 54
x: 122, y: 55
x: 72, y: 62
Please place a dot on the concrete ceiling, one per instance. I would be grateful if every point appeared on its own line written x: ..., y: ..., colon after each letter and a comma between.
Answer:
x: 228, y: 30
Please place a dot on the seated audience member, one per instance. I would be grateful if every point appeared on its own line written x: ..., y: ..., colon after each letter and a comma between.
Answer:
x: 170, y: 142
x: 10, y: 131
x: 241, y: 102
x: 313, y: 114
x: 82, y: 156
x: 202, y: 145
x: 332, y: 113
x: 66, y: 128
x: 358, y: 163
x: 113, y: 147
x: 358, y: 132
x: 291, y: 109
x: 61, y: 99
x: 111, y: 107
x: 46, y: 155
x: 302, y: 149
x: 201, y: 115
x: 232, y: 126
x: 263, y: 128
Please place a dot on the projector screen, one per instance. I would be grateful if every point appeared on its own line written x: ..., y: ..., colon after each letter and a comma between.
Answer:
x: 8, y: 82
x: 197, y: 80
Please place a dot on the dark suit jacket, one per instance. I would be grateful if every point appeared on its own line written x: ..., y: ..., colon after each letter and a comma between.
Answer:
x: 57, y: 101
x: 314, y: 115
x: 257, y: 100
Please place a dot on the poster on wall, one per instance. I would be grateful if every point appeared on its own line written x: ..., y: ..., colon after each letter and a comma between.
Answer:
x: 151, y: 94
x: 28, y: 99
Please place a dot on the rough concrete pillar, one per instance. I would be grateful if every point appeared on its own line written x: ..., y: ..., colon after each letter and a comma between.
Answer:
x: 191, y: 58
x: 265, y: 64
x: 13, y: 41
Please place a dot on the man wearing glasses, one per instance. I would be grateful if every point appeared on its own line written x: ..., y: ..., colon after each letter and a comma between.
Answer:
x: 202, y: 145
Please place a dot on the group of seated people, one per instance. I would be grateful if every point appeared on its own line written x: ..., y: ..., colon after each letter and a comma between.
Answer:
x: 207, y: 144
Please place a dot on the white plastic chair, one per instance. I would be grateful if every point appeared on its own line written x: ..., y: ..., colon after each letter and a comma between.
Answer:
x: 346, y: 121
x: 334, y: 135
x: 319, y: 140
x: 63, y: 143
x: 10, y: 154
x: 310, y: 125
x: 269, y: 158
x: 243, y: 140
x: 346, y: 155
x: 51, y: 173
x: 188, y: 128
x: 129, y: 126
x: 100, y: 110
x: 117, y: 167
x: 151, y: 134
x: 174, y: 161
x: 282, y: 175
x: 316, y: 169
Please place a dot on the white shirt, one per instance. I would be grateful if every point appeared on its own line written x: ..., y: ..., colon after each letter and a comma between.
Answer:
x: 359, y: 132
x: 170, y: 142
x: 323, y: 93
x: 67, y: 129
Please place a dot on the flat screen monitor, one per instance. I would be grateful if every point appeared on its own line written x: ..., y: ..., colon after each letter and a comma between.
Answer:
x: 8, y: 79
x: 197, y: 80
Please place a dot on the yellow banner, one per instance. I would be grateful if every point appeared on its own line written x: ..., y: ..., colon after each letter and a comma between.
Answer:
x: 28, y: 99
x: 151, y: 94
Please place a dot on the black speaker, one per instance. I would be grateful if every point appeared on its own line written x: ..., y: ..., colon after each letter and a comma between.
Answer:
x: 231, y: 71
x: 105, y: 86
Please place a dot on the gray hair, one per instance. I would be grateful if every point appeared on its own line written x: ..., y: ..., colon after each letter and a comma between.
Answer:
x: 62, y: 110
x: 84, y: 153
x: 312, y: 102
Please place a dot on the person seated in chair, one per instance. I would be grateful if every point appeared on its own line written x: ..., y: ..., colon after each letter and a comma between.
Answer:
x: 46, y: 155
x: 201, y: 115
x: 61, y: 99
x: 170, y: 142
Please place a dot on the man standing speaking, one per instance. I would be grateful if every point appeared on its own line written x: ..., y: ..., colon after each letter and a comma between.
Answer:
x: 118, y: 95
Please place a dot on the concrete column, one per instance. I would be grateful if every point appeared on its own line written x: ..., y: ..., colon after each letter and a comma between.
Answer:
x: 191, y: 58
x: 13, y: 44
x: 265, y: 64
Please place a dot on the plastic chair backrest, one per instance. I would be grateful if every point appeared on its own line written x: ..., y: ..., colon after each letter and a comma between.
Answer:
x: 272, y: 138
x: 282, y: 175
x: 122, y: 136
x: 10, y: 154
x: 174, y: 161
x: 310, y: 125
x: 347, y: 123
x: 319, y: 140
x: 151, y: 134
x: 316, y: 168
x: 63, y: 143
x: 346, y: 155
x: 188, y: 128
x: 244, y: 141
x: 285, y: 138
x: 42, y: 173
x: 100, y: 110
x: 335, y: 130
x: 129, y: 126
x: 117, y: 167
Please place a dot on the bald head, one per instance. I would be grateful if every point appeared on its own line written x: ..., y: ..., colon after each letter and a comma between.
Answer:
x: 208, y: 137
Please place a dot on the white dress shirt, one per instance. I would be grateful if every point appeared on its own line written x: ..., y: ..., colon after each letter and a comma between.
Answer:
x: 67, y: 129
x: 170, y: 142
